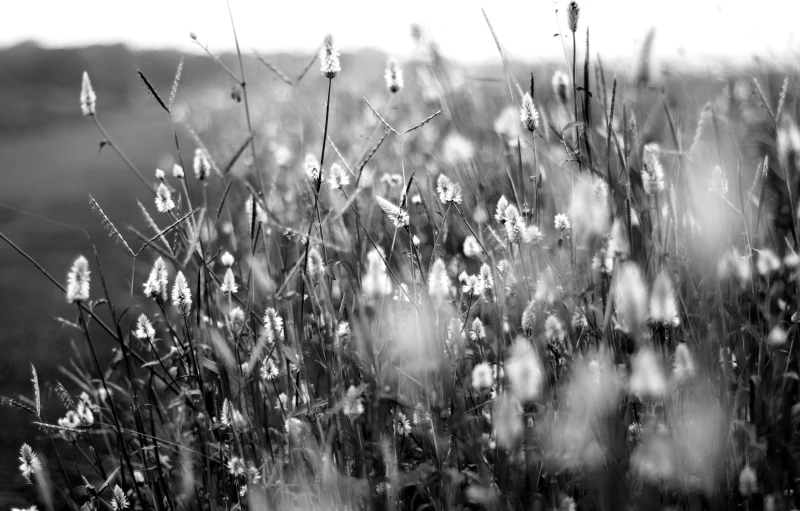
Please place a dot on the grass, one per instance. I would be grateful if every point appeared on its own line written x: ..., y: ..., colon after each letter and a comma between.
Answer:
x: 584, y: 315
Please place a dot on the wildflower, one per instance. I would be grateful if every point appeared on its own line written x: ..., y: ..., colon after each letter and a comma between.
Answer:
x: 201, y: 164
x: 181, y: 295
x: 329, y: 58
x: 402, y: 425
x: 603, y: 262
x: 338, y: 177
x: 144, y: 329
x: 507, y: 419
x: 157, y: 282
x: 683, y: 368
x: 554, y: 329
x: 269, y: 370
x: 343, y: 332
x: 573, y: 14
x: 652, y: 172
x: 561, y: 222
x: 567, y: 504
x: 273, y: 325
x: 777, y: 336
x: 647, y: 378
x: 351, y: 404
x: 529, y: 315
x: 236, y: 467
x: 396, y: 214
x: 177, y: 171
x: 438, y: 281
x: 313, y: 170
x: 579, y: 319
x: 515, y: 226
x: 507, y: 126
x: 231, y: 417
x: 88, y: 97
x: 471, y: 247
x: 164, y: 202
x: 261, y: 215
x: 482, y: 376
x: 416, y: 199
x: 401, y: 294
x: 524, y: 371
x: 528, y: 113
x: 457, y: 149
x: 767, y: 262
x: 376, y: 282
x: 477, y: 332
x: 663, y: 303
x: 393, y: 76
x: 227, y: 259
x: 449, y: 192
x: 160, y: 175
x: 561, y: 87
x: 229, y: 284
x: 470, y: 284
x: 533, y: 235
x: 631, y: 298
x: 748, y: 482
x: 78, y: 281
x: 293, y: 426
x: 30, y: 462
x: 392, y: 180
x: 316, y: 265
x: 500, y: 211
x: 486, y: 283
x: 718, y: 182
x: 119, y: 500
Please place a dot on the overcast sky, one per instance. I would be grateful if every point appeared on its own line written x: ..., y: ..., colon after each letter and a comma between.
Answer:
x: 736, y: 29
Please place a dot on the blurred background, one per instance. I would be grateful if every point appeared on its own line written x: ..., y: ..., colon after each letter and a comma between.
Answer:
x: 52, y: 160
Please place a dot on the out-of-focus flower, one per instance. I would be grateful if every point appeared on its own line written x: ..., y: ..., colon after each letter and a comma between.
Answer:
x: 507, y: 420
x: 718, y: 183
x: 533, y: 235
x: 748, y: 482
x: 457, y: 149
x: 177, y: 171
x: 471, y: 247
x: 684, y: 367
x: 352, y: 406
x: 482, y: 376
x: 561, y: 87
x: 663, y: 303
x: 647, y: 377
x: 313, y: 170
x: 376, y: 282
x: 202, y: 166
x: 631, y: 298
x: 338, y: 178
x: 767, y: 262
x: 554, y: 329
x: 393, y: 76
x: 229, y: 284
x: 777, y: 336
x: 523, y: 370
x: 227, y: 259
x: 438, y: 281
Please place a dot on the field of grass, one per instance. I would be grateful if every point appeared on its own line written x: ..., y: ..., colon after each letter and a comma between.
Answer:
x: 435, y: 287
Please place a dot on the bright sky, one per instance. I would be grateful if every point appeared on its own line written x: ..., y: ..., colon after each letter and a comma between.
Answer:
x: 730, y: 28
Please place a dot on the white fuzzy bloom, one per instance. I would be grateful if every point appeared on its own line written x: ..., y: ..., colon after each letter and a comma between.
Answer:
x: 119, y: 500
x: 78, y: 281
x: 507, y: 420
x: 402, y: 424
x: 329, y: 58
x: 261, y: 215
x: 515, y: 225
x: 487, y: 283
x: 561, y: 87
x: 718, y: 183
x: 352, y: 406
x: 236, y: 467
x: 471, y: 247
x: 449, y: 191
x: 438, y: 281
x: 477, y: 332
x: 273, y: 325
x: 647, y: 376
x: 177, y: 171
x: 30, y: 463
x: 528, y: 113
x: 88, y: 97
x: 500, y: 211
x: 181, y: 295
x: 158, y: 281
x: 393, y: 76
x: 748, y: 482
x: 767, y: 262
x: 652, y: 171
x: 338, y: 177
x: 227, y: 259
x: 164, y: 202
x: 397, y: 215
x: 343, y: 332
x: 229, y: 284
x: 375, y: 282
x: 777, y: 336
x: 482, y: 376
x: 561, y: 222
x: 524, y: 371
x: 269, y: 370
x: 683, y: 368
x: 663, y: 302
x: 630, y: 298
x: 313, y: 170
x: 554, y: 329
x: 144, y: 329
x: 202, y: 166
x: 160, y: 174
x: 533, y: 235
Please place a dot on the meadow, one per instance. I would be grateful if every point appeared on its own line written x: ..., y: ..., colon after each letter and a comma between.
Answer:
x: 552, y: 286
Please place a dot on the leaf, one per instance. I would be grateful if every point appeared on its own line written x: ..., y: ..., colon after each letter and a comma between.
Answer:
x: 152, y: 90
x: 109, y: 480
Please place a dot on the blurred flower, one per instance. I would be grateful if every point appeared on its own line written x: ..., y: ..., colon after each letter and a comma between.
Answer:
x: 393, y: 76
x: 376, y: 282
x: 482, y: 376
x: 507, y: 419
x: 561, y: 87
x: 652, y: 171
x: 88, y: 97
x: 144, y: 329
x: 30, y: 463
x: 718, y: 182
x: 157, y: 282
x: 529, y: 315
x: 160, y: 175
x: 78, y: 281
x: 777, y: 336
x: 524, y: 371
x: 507, y: 125
x: 449, y: 192
x: 631, y: 298
x: 181, y: 295
x: 554, y: 329
x: 528, y: 113
x: 652, y: 460
x: 338, y: 177
x: 438, y: 281
x: 351, y: 404
x: 329, y: 58
x: 261, y: 215
x: 164, y: 202
x: 227, y: 259
x: 663, y: 303
x: 313, y: 170
x: 471, y: 247
x: 282, y: 156
x: 748, y: 482
x: 683, y: 368
x: 201, y: 164
x: 457, y: 149
x: 177, y: 171
x: 470, y: 284
x: 767, y: 262
x: 533, y: 235
x: 647, y: 378
x: 316, y: 264
x: 561, y: 222
x: 392, y: 180
x: 477, y: 332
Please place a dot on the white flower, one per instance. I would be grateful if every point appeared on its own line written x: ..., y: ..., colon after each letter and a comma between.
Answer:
x: 507, y: 420
x: 748, y: 482
x: 631, y: 298
x: 652, y: 171
x: 482, y: 376
x: 528, y: 114
x: 663, y: 303
x: 157, y: 282
x: 229, y: 283
x: 376, y: 282
x: 402, y: 425
x: 647, y: 377
x: 282, y: 155
x: 533, y: 235
x: 777, y: 336
x: 313, y: 170
x: 177, y: 171
x: 144, y: 329
x: 160, y: 174
x: 30, y: 463
x: 554, y: 329
x: 524, y: 371
x: 396, y: 214
x: 236, y: 467
x: 438, y: 281
x: 261, y: 215
x: 269, y: 370
x: 338, y: 177
x: 329, y: 58
x: 457, y: 149
x: 201, y: 164
x: 88, y: 97
x: 78, y: 281
x: 471, y: 247
x: 683, y: 367
x: 273, y: 325
x: 514, y: 225
x: 449, y: 192
x: 486, y: 283
x: 470, y: 284
x: 351, y: 404
x: 500, y: 211
x: 164, y: 202
x: 181, y: 295
x: 343, y: 332
x: 561, y: 222
x: 718, y: 183
x: 393, y: 76
x: 477, y: 332
x: 227, y: 259
x: 119, y: 500
x: 767, y: 262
